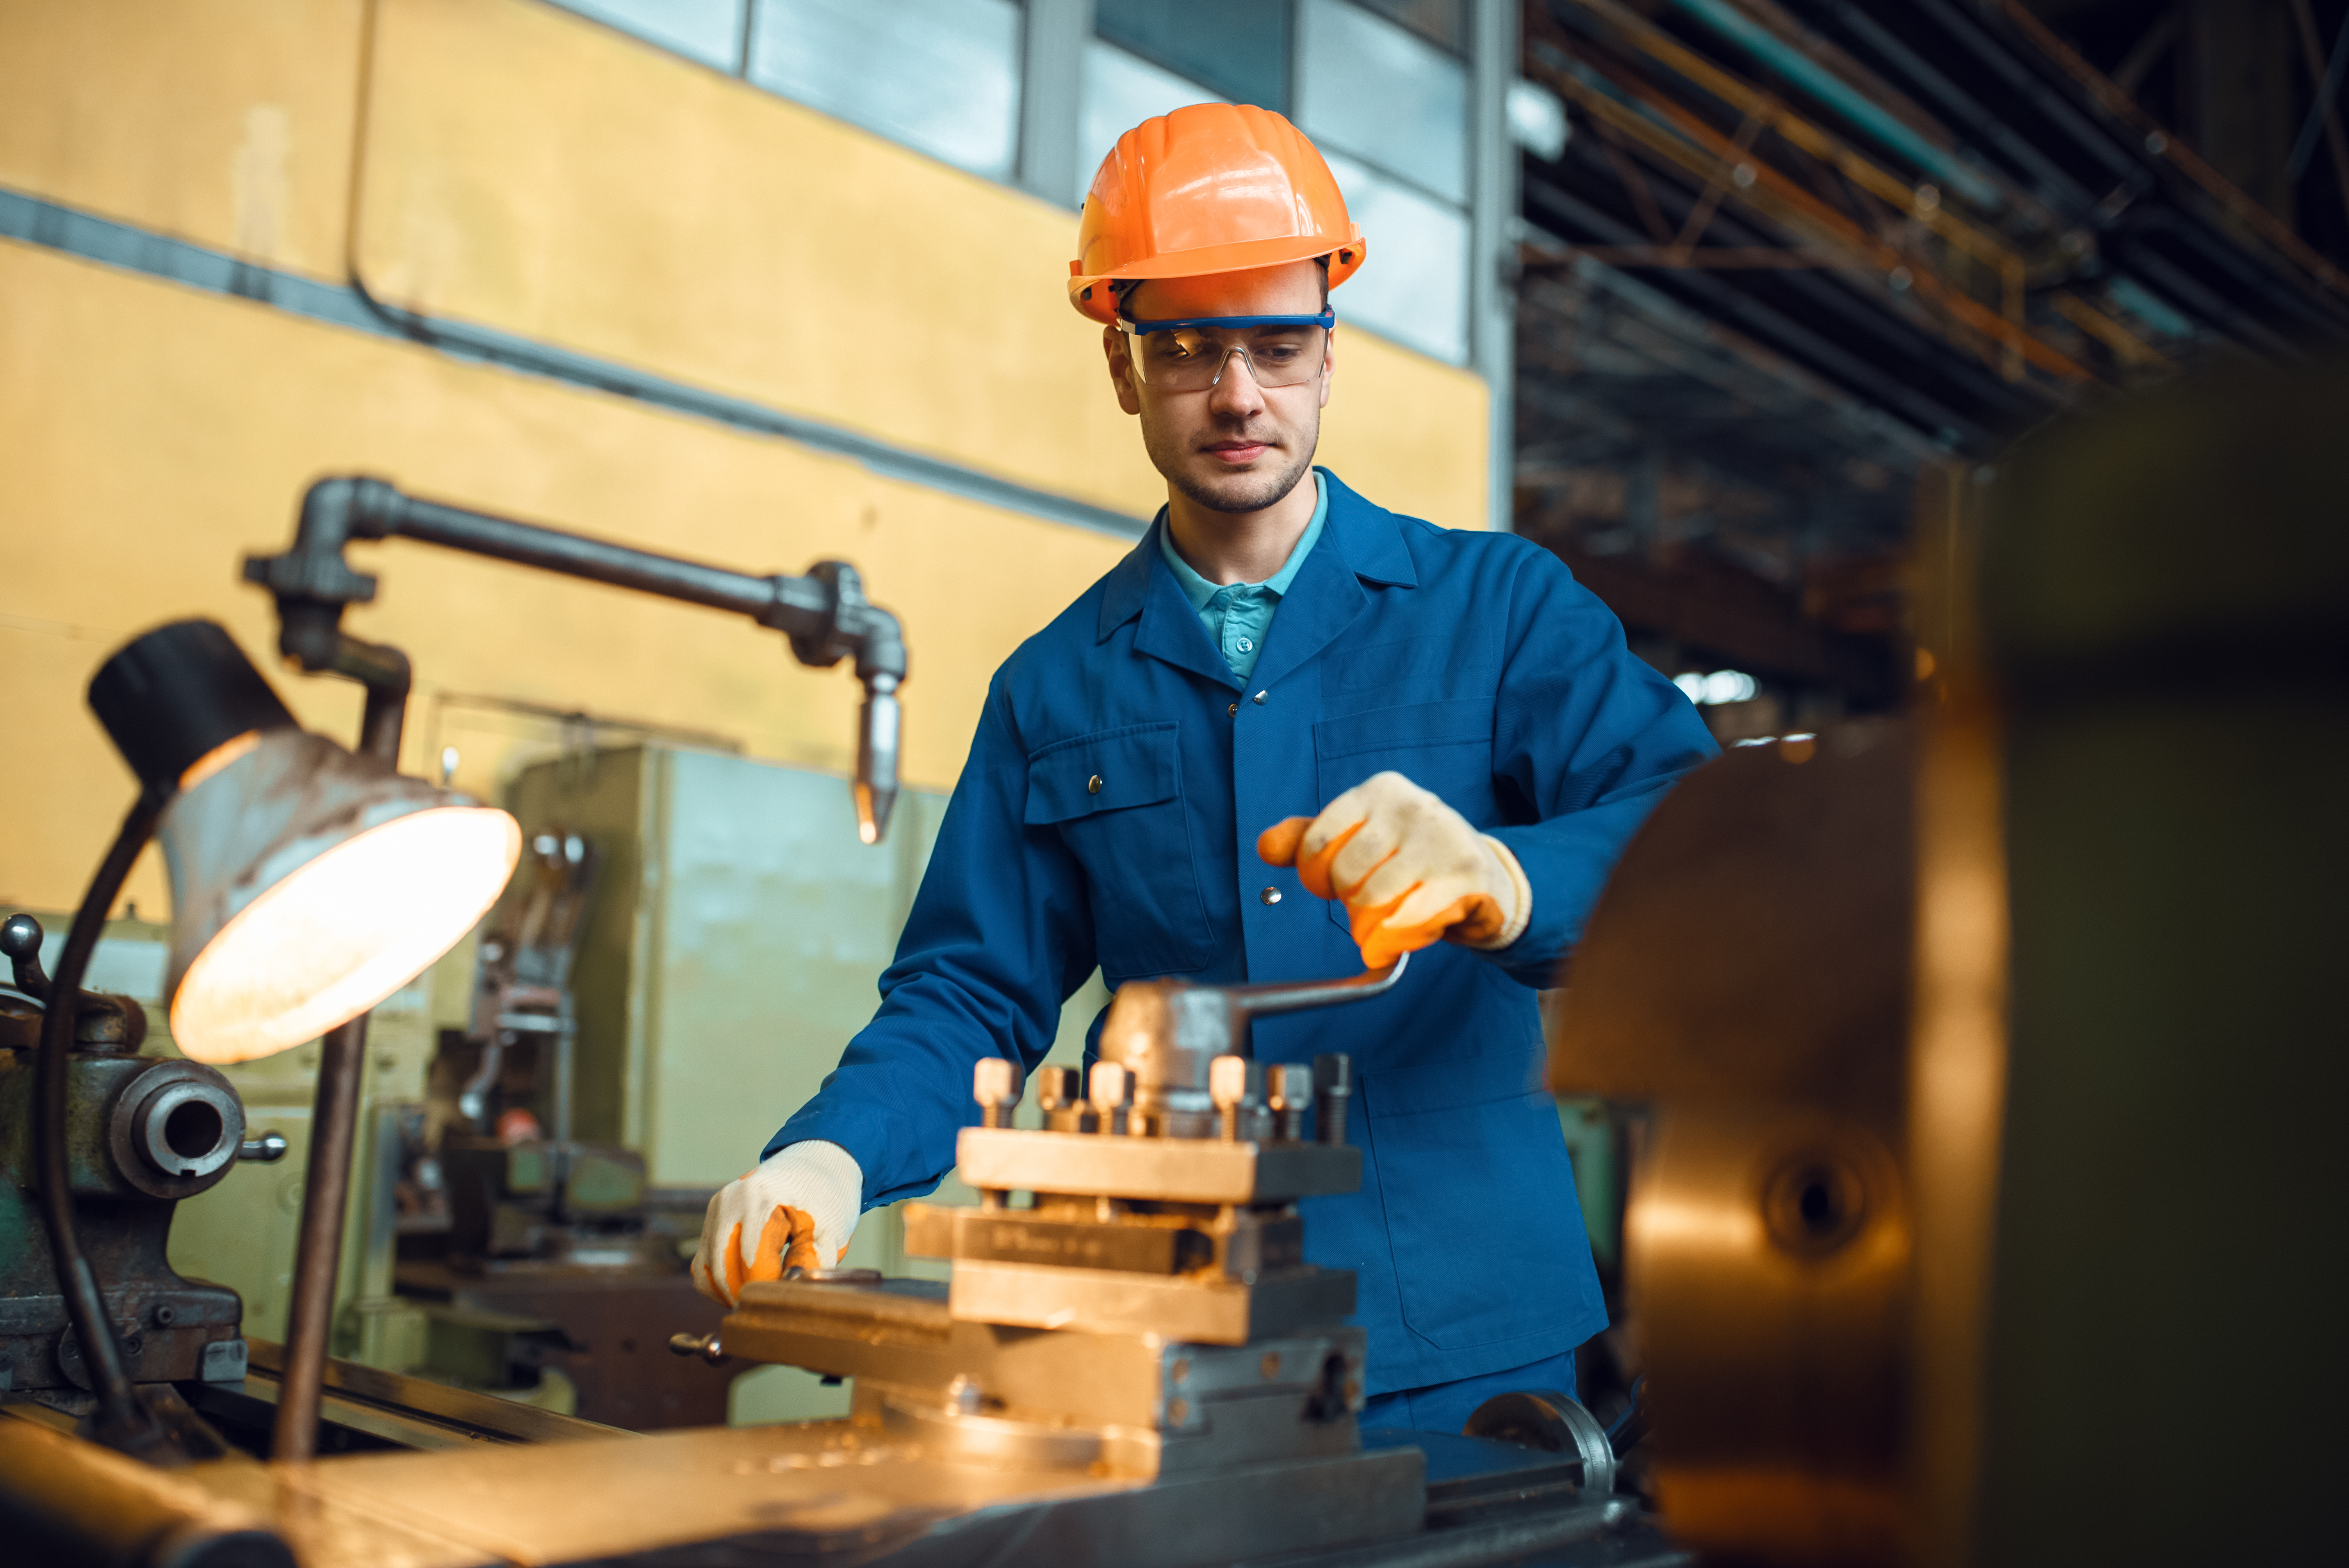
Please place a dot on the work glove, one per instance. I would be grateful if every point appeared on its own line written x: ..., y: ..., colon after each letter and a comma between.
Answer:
x: 796, y: 1210
x: 1408, y: 867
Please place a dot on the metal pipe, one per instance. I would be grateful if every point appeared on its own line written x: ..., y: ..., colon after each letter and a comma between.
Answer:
x: 2325, y: 78
x: 1733, y: 27
x: 597, y: 560
x: 823, y: 615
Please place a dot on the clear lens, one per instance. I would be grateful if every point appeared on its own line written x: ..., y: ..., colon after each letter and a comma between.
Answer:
x: 1194, y: 358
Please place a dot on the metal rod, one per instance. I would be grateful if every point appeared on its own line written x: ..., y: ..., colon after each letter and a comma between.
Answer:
x: 122, y: 1421
x: 334, y: 1114
x: 2324, y: 76
x: 1255, y: 1001
x: 317, y: 1254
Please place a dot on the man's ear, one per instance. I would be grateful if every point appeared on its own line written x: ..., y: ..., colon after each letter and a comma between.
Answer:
x: 1329, y: 364
x: 1120, y: 370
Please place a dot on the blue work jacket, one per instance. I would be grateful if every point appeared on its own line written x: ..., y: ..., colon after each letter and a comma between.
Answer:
x: 1470, y: 662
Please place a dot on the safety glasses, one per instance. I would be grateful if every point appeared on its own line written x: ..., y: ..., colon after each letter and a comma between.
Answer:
x: 1192, y: 355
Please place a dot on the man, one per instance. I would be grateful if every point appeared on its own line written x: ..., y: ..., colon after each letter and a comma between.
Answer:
x: 1440, y: 730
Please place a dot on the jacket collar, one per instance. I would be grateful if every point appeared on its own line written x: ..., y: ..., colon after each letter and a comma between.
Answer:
x: 1365, y: 543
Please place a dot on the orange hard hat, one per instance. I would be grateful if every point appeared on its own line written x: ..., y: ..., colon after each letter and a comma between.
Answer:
x: 1211, y: 188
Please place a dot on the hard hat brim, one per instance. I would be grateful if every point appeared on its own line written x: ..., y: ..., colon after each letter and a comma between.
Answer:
x: 1091, y: 294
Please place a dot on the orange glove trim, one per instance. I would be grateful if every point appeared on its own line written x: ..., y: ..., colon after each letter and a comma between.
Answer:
x: 1472, y: 917
x: 786, y: 1241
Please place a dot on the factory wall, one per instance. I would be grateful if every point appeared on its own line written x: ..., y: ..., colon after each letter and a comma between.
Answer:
x: 509, y: 166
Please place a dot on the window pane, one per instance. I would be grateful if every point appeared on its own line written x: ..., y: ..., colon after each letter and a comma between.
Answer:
x: 940, y: 75
x: 1384, y: 95
x: 1121, y: 92
x: 1413, y: 285
x: 709, y: 31
x: 1237, y: 48
x: 1443, y: 22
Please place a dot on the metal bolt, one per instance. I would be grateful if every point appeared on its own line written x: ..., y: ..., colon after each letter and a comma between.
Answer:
x: 1270, y: 1365
x: 995, y: 1084
x: 1180, y: 1370
x: 1333, y: 1086
x: 165, y: 1315
x: 1177, y: 1411
x: 1057, y: 1089
x: 1289, y: 1091
x: 1270, y: 895
x: 1228, y: 1086
x: 963, y: 1396
x: 1092, y: 785
x: 1111, y: 1085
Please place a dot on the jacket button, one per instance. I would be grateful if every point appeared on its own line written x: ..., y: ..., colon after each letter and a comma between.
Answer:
x: 1092, y: 785
x: 1235, y: 710
x: 1259, y: 700
x: 1270, y: 895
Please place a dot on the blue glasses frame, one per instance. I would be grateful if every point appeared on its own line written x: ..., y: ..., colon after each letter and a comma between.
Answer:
x: 1328, y: 317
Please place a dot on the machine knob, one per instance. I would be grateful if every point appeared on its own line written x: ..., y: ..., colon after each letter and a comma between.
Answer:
x: 266, y: 1150
x: 704, y: 1346
x: 20, y: 939
x: 995, y: 1084
x: 1289, y: 1091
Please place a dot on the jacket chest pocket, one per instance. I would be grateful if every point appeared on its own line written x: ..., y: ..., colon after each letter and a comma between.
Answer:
x: 1443, y: 746
x: 1116, y: 800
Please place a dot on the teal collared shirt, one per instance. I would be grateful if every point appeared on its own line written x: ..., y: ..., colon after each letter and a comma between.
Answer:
x: 1238, y: 614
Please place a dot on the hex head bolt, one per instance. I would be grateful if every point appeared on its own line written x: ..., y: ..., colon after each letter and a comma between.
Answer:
x: 1061, y: 1096
x: 1333, y: 1086
x: 1288, y: 1089
x: 1230, y: 1085
x: 995, y: 1084
x: 1113, y: 1091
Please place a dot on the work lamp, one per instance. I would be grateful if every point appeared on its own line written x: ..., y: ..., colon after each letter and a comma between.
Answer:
x: 307, y: 883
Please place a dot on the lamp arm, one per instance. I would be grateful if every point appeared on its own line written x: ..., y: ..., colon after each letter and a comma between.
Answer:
x: 824, y: 615
x: 121, y: 1421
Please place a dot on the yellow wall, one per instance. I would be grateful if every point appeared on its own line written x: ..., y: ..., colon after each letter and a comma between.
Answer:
x: 535, y: 173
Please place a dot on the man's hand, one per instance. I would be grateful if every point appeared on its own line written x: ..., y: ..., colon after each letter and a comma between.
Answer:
x: 1409, y: 868
x: 796, y: 1210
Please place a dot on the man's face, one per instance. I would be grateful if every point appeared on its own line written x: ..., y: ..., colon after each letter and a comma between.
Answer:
x: 1236, y: 446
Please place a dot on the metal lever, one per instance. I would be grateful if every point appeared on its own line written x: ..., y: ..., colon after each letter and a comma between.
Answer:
x: 704, y: 1346
x: 1288, y: 997
x: 20, y: 939
x: 267, y: 1149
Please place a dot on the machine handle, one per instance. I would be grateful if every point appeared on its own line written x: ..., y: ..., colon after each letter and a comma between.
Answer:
x: 1291, y: 995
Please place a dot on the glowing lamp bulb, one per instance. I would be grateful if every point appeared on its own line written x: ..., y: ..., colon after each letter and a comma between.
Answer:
x: 342, y: 932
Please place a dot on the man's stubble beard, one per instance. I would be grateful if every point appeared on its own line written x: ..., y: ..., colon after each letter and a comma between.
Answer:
x: 1250, y: 492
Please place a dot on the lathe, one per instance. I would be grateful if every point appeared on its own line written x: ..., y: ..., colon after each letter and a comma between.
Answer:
x: 1131, y: 1363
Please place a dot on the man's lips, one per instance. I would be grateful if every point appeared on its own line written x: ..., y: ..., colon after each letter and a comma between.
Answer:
x: 1238, y: 452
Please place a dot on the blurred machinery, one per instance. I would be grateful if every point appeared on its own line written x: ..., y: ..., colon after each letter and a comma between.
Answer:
x: 144, y: 1132
x: 1988, y: 1053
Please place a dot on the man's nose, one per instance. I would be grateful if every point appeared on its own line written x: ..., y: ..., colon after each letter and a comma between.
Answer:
x: 1235, y: 391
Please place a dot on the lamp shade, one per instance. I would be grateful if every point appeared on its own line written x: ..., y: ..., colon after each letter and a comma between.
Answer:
x: 309, y: 884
